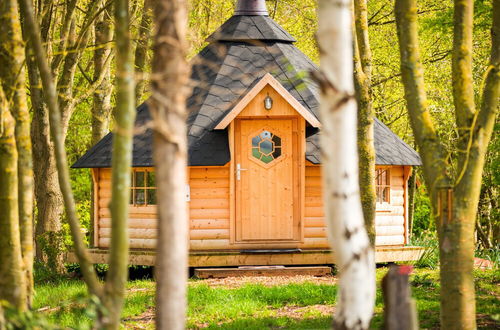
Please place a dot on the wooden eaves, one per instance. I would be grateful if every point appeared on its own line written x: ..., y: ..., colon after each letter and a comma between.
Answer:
x: 268, y: 79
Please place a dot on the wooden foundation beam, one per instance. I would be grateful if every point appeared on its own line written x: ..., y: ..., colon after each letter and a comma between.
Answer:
x: 235, y: 258
x: 262, y: 271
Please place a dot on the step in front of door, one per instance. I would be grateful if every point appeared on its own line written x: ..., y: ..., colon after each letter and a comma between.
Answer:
x: 261, y: 271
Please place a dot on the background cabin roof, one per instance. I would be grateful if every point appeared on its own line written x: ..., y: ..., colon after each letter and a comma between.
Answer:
x: 239, y: 54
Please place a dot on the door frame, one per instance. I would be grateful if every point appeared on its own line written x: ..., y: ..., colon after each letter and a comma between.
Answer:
x: 298, y: 160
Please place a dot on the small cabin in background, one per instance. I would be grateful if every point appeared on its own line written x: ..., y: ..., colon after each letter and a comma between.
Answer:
x: 254, y: 191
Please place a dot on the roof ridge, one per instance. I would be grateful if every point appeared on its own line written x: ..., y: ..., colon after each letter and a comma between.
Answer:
x: 231, y: 30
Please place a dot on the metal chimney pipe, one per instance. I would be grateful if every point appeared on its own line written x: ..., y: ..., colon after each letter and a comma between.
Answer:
x: 251, y: 8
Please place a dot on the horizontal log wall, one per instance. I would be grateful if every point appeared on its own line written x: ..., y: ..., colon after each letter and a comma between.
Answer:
x: 209, y: 212
x: 314, y: 216
x: 209, y: 208
x: 390, y: 218
x: 142, y: 223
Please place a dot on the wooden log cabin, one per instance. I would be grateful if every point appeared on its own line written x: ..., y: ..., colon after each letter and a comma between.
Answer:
x: 254, y: 192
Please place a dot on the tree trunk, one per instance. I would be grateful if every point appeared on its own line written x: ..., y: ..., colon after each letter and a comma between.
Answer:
x: 13, y: 76
x: 48, y: 196
x: 101, y: 106
x: 2, y: 319
x: 343, y: 212
x: 141, y: 50
x: 46, y: 187
x: 454, y: 202
x: 412, y: 189
x: 66, y: 80
x: 32, y: 32
x: 116, y: 278
x: 63, y: 67
x: 457, y: 231
x: 366, y: 148
x: 12, y: 279
x: 168, y: 107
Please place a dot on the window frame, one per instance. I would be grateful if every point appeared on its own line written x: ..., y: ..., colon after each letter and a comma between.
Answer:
x: 145, y: 187
x: 255, y: 146
x: 380, y: 187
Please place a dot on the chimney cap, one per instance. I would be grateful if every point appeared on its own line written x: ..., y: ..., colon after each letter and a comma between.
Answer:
x: 251, y: 8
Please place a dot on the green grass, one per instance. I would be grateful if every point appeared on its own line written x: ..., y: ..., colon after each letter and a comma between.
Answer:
x: 221, y: 305
x: 255, y: 306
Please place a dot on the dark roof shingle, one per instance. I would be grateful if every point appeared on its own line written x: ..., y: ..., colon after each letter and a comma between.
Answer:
x: 241, y: 52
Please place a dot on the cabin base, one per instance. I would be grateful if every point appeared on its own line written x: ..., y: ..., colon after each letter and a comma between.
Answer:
x: 262, y: 271
x: 235, y: 258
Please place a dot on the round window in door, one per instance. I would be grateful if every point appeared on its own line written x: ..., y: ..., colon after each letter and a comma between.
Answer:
x: 266, y: 147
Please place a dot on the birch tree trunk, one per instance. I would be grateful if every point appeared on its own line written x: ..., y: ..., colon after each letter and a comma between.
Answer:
x: 13, y: 77
x: 353, y: 251
x: 454, y: 196
x: 366, y: 148
x: 168, y: 108
x: 12, y: 279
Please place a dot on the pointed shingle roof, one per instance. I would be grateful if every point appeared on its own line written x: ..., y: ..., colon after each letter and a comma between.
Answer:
x: 239, y: 54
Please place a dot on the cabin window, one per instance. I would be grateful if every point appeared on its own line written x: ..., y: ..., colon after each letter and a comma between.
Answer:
x: 266, y: 147
x: 143, y: 188
x: 383, y: 185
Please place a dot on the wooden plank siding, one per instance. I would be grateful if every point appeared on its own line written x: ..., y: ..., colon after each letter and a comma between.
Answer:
x: 390, y: 222
x: 209, y: 211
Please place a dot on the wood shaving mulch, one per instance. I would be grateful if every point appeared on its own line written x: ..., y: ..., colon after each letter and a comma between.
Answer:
x: 300, y: 313
x: 236, y: 282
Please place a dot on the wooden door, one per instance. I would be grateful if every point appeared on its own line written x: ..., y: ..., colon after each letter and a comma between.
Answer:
x: 265, y: 188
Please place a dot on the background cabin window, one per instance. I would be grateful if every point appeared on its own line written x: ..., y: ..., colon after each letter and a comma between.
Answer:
x: 143, y: 189
x: 266, y: 147
x: 383, y: 185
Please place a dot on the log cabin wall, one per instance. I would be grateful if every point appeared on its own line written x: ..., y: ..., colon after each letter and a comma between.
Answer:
x: 390, y: 220
x: 142, y: 221
x: 314, y: 225
x: 209, y: 212
x: 390, y: 217
x: 209, y: 208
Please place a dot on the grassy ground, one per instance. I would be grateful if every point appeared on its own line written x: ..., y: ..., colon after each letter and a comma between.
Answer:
x: 257, y: 303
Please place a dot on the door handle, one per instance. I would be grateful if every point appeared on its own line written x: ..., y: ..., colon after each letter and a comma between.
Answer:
x: 238, y: 171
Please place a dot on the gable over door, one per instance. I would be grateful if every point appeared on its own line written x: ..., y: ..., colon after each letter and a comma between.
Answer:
x: 267, y: 193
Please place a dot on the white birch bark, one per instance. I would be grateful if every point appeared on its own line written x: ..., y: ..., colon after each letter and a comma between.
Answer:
x: 347, y: 234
